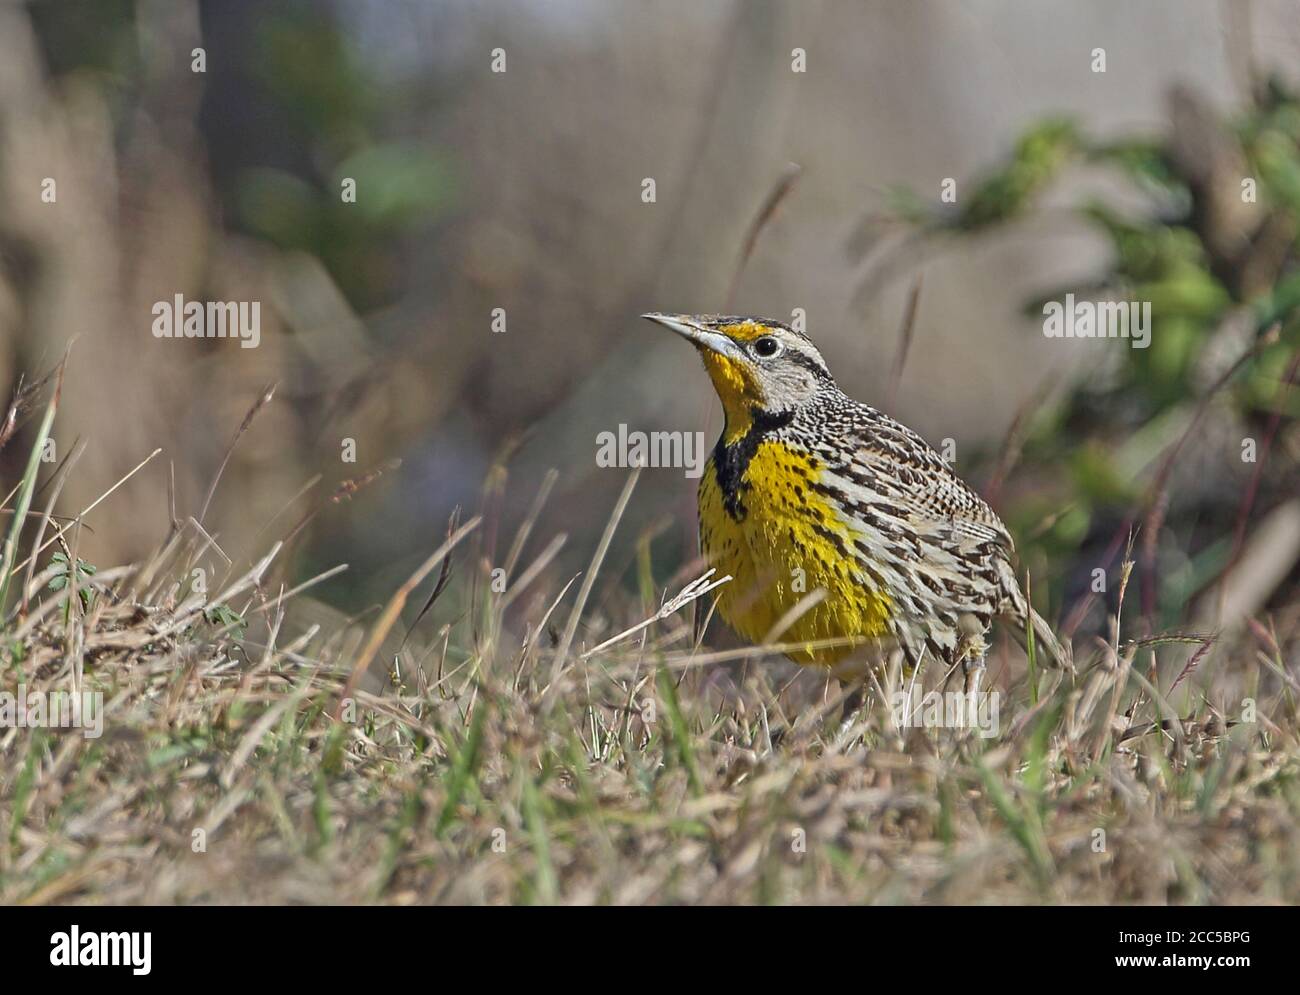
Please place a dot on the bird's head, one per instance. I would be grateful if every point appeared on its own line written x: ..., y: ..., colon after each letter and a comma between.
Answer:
x: 758, y: 366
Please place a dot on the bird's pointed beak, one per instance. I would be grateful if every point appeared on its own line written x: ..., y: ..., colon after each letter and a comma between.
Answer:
x: 691, y: 329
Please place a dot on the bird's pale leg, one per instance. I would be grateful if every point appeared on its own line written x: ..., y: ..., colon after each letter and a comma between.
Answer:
x: 854, y: 674
x: 971, y: 650
x: 972, y: 669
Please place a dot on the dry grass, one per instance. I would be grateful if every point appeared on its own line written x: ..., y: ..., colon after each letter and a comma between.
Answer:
x: 500, y: 765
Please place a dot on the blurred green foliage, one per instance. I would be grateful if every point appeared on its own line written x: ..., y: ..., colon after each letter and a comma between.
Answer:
x: 1003, y: 194
x: 333, y: 108
x: 1214, y: 250
x: 89, y: 36
x: 323, y: 116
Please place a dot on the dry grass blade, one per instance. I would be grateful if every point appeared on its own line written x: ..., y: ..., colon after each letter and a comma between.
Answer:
x: 444, y: 575
x: 588, y: 581
x: 1252, y: 488
x: 1014, y: 439
x: 1154, y: 495
x: 24, y: 400
x: 695, y: 589
x: 1157, y: 493
x: 530, y: 520
x: 342, y: 493
x: 263, y: 400
x: 779, y: 192
x: 309, y: 485
x: 534, y: 569
x: 792, y: 614
x: 906, y: 330
x: 1191, y: 664
x: 93, y: 505
x: 26, y: 488
x: 393, y: 610
x: 320, y: 578
x: 60, y: 478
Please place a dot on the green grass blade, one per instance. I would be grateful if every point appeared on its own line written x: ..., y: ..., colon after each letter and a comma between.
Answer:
x: 466, y: 763
x: 25, y: 492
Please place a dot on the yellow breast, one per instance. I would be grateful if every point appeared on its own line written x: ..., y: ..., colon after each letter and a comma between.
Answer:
x: 783, y: 542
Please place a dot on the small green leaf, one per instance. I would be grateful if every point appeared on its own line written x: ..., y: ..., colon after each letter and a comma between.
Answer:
x: 223, y: 616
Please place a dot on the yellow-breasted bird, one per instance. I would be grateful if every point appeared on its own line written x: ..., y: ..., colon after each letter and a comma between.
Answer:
x: 808, y: 489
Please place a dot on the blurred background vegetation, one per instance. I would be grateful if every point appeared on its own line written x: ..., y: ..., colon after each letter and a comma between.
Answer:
x: 522, y: 191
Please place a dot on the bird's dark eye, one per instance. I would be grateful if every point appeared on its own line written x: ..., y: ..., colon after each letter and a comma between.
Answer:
x: 766, y: 347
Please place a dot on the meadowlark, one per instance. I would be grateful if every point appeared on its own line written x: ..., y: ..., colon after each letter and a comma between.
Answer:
x: 810, y: 494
